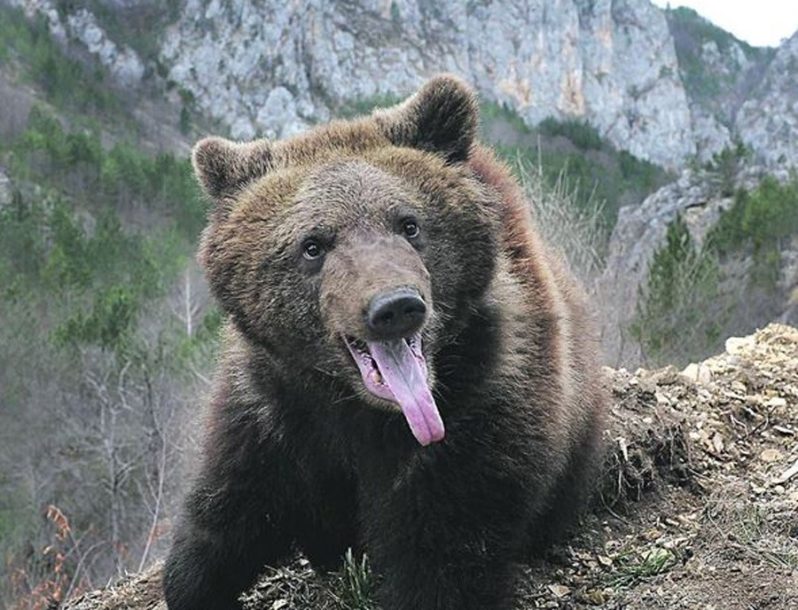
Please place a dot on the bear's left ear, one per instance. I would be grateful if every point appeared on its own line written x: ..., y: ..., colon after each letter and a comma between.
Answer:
x: 224, y: 167
x: 442, y: 117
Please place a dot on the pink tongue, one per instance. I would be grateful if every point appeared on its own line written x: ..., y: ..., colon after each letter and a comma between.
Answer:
x: 403, y: 374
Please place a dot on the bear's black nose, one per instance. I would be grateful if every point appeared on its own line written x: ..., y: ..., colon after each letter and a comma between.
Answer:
x: 396, y: 314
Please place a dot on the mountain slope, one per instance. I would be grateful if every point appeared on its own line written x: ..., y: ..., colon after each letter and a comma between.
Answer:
x: 718, y: 69
x: 665, y: 85
x: 274, y: 68
x: 768, y: 119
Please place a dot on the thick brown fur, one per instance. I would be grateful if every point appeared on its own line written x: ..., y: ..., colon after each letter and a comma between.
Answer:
x: 298, y: 453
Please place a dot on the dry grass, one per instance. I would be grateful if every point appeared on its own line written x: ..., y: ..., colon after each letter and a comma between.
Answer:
x: 578, y: 233
x: 764, y: 532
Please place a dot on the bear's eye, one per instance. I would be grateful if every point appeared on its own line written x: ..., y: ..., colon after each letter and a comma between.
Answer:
x: 311, y: 249
x: 410, y: 228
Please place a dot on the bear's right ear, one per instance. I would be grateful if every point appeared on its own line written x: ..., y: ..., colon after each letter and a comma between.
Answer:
x: 224, y: 167
x: 442, y: 117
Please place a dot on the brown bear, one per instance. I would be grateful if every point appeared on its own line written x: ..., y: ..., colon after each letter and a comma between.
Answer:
x: 406, y: 370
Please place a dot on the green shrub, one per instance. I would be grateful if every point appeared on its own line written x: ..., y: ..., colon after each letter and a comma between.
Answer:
x: 356, y: 583
x: 640, y: 175
x: 759, y: 221
x: 726, y: 164
x: 109, y: 323
x: 493, y: 112
x: 104, y: 276
x: 679, y: 313
x: 93, y: 274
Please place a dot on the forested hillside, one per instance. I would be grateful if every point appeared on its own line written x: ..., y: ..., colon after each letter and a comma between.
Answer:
x: 105, y: 329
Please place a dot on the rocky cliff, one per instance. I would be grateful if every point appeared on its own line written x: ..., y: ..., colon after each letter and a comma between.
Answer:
x: 273, y: 68
x: 768, y: 120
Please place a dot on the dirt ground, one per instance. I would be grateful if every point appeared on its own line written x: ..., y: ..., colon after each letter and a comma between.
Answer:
x: 698, y: 506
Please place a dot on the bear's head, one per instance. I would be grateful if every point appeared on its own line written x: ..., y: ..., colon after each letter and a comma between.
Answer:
x: 352, y: 253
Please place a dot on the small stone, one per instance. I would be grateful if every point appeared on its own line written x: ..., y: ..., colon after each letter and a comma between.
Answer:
x: 697, y: 372
x: 280, y: 603
x: 652, y: 535
x: 595, y: 597
x: 559, y: 591
x: 777, y: 402
x: 770, y: 455
x: 736, y: 345
x: 717, y: 443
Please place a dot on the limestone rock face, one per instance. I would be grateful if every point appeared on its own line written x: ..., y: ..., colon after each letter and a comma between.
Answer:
x: 638, y: 74
x: 274, y: 67
x: 123, y: 63
x: 711, y: 136
x: 768, y: 121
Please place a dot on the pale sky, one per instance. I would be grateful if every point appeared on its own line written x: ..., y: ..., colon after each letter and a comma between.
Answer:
x: 758, y: 22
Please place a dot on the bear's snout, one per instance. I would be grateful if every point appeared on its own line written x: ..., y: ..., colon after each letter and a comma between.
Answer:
x: 375, y: 288
x: 396, y: 314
